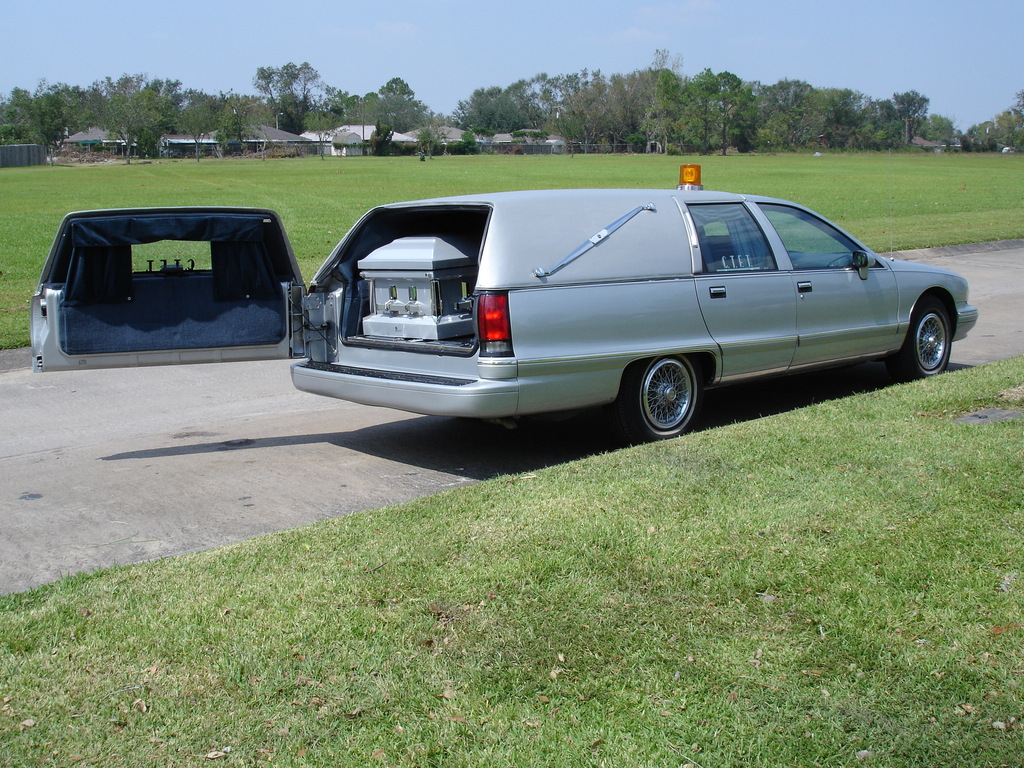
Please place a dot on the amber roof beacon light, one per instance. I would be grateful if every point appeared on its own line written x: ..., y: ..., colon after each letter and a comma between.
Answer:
x: 689, y: 178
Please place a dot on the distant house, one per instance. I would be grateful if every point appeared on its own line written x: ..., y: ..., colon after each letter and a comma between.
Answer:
x: 524, y: 142
x: 928, y: 146
x: 449, y: 134
x: 268, y: 137
x: 173, y: 145
x: 265, y: 139
x: 350, y: 140
x: 95, y: 138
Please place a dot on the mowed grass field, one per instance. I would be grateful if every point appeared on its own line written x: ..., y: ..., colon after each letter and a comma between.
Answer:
x: 892, y: 201
x: 838, y: 586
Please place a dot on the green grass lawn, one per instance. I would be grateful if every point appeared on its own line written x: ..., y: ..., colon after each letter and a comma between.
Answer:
x: 840, y: 585
x: 890, y: 201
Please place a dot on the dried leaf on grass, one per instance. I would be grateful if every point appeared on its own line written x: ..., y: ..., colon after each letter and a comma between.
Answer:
x: 1013, y: 394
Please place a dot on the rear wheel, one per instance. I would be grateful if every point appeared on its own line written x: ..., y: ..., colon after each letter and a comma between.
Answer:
x: 925, y: 351
x: 658, y: 399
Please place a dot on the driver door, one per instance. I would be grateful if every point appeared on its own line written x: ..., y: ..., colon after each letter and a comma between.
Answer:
x: 842, y: 314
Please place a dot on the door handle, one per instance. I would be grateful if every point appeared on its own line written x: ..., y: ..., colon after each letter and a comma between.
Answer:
x: 804, y: 286
x: 717, y: 292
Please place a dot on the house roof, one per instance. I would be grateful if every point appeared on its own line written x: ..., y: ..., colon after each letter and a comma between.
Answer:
x: 508, y: 138
x: 269, y: 133
x: 447, y: 132
x: 353, y: 134
x: 263, y: 133
x: 206, y: 138
x: 91, y: 136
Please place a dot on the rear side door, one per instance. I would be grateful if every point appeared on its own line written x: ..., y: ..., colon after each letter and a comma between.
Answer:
x: 747, y: 302
x: 164, y: 286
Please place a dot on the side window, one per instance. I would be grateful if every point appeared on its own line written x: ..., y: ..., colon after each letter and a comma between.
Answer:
x: 730, y: 240
x: 811, y: 242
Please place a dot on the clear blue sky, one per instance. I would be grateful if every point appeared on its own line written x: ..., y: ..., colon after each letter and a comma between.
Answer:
x: 966, y: 57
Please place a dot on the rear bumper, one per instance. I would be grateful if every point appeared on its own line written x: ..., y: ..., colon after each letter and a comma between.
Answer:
x: 432, y: 395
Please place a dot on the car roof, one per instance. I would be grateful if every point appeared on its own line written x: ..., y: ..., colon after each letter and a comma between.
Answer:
x: 539, y: 197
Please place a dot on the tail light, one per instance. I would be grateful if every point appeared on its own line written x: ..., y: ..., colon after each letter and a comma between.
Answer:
x: 493, y: 327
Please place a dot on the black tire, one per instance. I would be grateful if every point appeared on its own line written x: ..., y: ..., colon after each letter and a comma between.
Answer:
x: 658, y: 399
x: 925, y: 351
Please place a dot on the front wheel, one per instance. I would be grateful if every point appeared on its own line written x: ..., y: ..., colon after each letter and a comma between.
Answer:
x: 658, y: 399
x: 925, y: 351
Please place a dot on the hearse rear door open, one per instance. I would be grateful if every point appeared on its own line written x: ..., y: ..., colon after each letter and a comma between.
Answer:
x: 166, y: 286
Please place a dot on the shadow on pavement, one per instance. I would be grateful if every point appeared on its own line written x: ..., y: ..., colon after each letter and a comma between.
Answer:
x: 478, y: 450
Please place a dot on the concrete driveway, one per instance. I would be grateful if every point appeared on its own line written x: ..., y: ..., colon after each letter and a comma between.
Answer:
x: 111, y: 467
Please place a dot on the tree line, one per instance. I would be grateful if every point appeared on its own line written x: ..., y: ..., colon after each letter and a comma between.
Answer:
x: 653, y: 109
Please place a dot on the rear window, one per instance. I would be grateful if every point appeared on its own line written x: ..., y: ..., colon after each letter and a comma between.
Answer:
x: 730, y: 240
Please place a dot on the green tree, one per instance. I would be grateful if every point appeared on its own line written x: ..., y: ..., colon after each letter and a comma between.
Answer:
x: 503, y: 110
x: 666, y: 120
x: 719, y: 112
x: 736, y: 112
x: 431, y: 137
x: 380, y: 139
x: 468, y: 144
x: 342, y: 106
x: 240, y: 120
x: 167, y: 99
x: 491, y: 108
x: 1009, y: 128
x: 631, y: 105
x: 980, y: 138
x: 545, y: 96
x: 199, y: 117
x: 54, y: 112
x: 1014, y: 123
x: 700, y: 110
x: 396, y: 106
x: 911, y: 109
x: 292, y: 91
x: 322, y: 124
x: 886, y: 126
x: 131, y: 111
x: 838, y: 118
x: 16, y: 122
x: 582, y: 112
x: 783, y: 114
x: 939, y: 129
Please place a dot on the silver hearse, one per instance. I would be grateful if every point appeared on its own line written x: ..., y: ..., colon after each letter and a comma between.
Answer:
x: 503, y: 305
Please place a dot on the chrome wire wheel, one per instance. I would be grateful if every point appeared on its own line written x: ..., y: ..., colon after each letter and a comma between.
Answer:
x: 667, y: 390
x: 925, y: 351
x: 931, y: 342
x: 658, y: 399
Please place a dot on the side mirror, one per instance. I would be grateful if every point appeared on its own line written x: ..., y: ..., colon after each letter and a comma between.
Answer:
x: 861, y: 262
